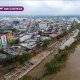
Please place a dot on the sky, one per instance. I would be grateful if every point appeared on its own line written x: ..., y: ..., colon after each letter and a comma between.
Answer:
x: 43, y: 7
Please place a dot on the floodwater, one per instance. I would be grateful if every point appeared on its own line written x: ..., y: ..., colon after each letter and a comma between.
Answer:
x: 72, y: 69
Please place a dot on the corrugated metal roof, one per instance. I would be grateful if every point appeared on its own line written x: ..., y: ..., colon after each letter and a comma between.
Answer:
x: 26, y: 37
x: 28, y: 45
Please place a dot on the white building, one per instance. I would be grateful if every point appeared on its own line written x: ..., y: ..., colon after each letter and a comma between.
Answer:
x: 44, y: 37
x: 29, y: 45
x: 43, y: 26
x: 4, y: 40
x: 26, y: 37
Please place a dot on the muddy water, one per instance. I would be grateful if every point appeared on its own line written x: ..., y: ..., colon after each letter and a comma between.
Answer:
x: 72, y: 69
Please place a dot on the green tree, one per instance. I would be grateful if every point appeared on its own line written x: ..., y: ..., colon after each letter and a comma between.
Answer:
x: 45, y: 43
x: 14, y: 42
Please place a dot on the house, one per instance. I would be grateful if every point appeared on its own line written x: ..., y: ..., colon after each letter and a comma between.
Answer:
x: 25, y: 37
x: 9, y: 36
x: 29, y: 45
x: 43, y: 26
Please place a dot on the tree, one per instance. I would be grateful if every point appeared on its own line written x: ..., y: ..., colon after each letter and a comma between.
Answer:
x: 14, y: 42
x: 45, y: 43
x: 52, y: 67
x: 62, y: 35
x: 22, y: 58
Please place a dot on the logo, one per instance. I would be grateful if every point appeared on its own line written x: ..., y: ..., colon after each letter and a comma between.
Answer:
x: 11, y: 8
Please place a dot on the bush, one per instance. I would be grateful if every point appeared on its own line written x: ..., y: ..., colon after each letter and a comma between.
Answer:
x: 13, y: 42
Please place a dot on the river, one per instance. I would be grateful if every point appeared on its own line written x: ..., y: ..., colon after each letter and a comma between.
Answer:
x: 72, y: 69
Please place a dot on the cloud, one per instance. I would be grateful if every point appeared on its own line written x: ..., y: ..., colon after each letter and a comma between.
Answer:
x: 45, y: 7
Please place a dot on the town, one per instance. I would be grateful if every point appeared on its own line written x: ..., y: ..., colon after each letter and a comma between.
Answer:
x: 23, y: 38
x: 22, y: 34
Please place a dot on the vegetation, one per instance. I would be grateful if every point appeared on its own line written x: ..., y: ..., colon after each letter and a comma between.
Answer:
x: 13, y: 29
x: 45, y: 43
x: 77, y: 26
x: 13, y: 42
x: 61, y: 35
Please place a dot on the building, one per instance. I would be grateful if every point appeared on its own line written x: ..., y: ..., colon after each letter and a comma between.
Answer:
x: 29, y: 45
x: 25, y: 37
x: 43, y: 26
x: 9, y: 36
x: 0, y: 42
x: 3, y: 40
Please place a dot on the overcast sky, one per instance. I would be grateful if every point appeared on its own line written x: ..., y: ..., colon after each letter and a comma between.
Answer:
x: 44, y: 7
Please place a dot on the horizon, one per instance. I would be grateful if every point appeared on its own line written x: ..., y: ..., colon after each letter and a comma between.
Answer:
x: 40, y: 15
